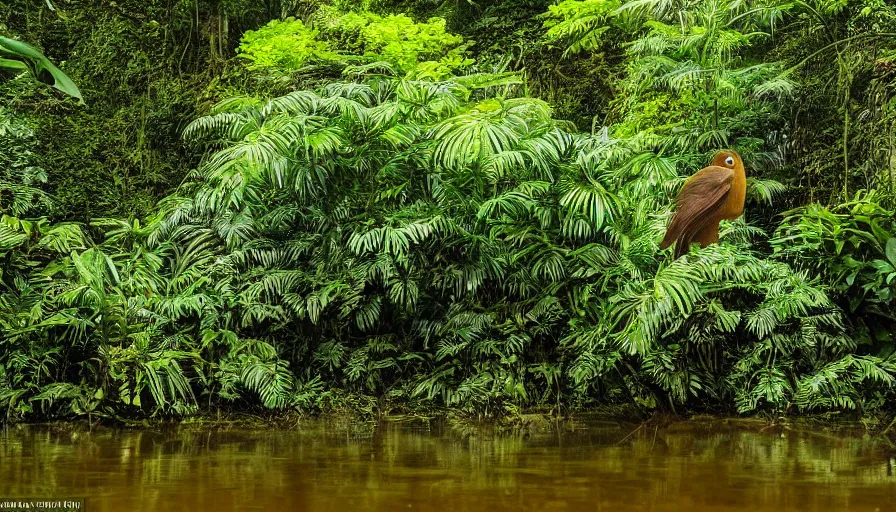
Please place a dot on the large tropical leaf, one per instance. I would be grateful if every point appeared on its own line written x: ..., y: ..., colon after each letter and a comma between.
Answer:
x: 18, y: 56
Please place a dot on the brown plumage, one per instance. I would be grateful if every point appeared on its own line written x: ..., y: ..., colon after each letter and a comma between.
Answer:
x: 714, y: 193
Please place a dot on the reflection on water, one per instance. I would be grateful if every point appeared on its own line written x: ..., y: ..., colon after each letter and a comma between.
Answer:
x: 690, y: 467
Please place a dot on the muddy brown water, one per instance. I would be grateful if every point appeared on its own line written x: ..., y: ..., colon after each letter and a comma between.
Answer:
x: 595, y: 466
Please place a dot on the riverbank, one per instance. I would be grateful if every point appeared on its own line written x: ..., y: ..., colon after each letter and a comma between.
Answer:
x: 531, y: 424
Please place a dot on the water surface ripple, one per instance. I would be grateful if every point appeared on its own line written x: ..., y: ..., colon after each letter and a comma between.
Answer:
x: 691, y: 467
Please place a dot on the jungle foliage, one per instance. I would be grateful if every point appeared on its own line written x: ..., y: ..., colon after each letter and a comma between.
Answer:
x: 452, y: 204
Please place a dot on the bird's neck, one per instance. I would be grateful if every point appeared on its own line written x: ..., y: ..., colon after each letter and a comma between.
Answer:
x: 740, y: 176
x: 738, y: 193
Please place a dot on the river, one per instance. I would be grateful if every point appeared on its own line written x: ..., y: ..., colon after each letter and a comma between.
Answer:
x: 712, y: 465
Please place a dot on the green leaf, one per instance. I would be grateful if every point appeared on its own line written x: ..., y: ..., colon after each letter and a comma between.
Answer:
x: 891, y: 251
x: 882, y: 266
x: 17, y: 55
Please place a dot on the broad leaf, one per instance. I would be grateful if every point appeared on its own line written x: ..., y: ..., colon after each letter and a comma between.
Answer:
x: 16, y: 55
x: 891, y: 251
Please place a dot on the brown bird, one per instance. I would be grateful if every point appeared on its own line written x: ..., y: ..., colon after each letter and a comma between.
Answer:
x: 714, y: 193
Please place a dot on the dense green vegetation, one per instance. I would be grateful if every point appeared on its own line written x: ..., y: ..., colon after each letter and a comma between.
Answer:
x: 293, y: 206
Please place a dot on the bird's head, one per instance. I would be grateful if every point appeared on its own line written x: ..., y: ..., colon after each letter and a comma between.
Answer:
x: 728, y: 158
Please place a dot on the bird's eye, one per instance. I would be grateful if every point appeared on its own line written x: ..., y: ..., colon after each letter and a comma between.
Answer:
x: 729, y: 161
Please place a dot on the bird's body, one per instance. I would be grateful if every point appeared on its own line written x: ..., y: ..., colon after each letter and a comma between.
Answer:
x: 712, y: 194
